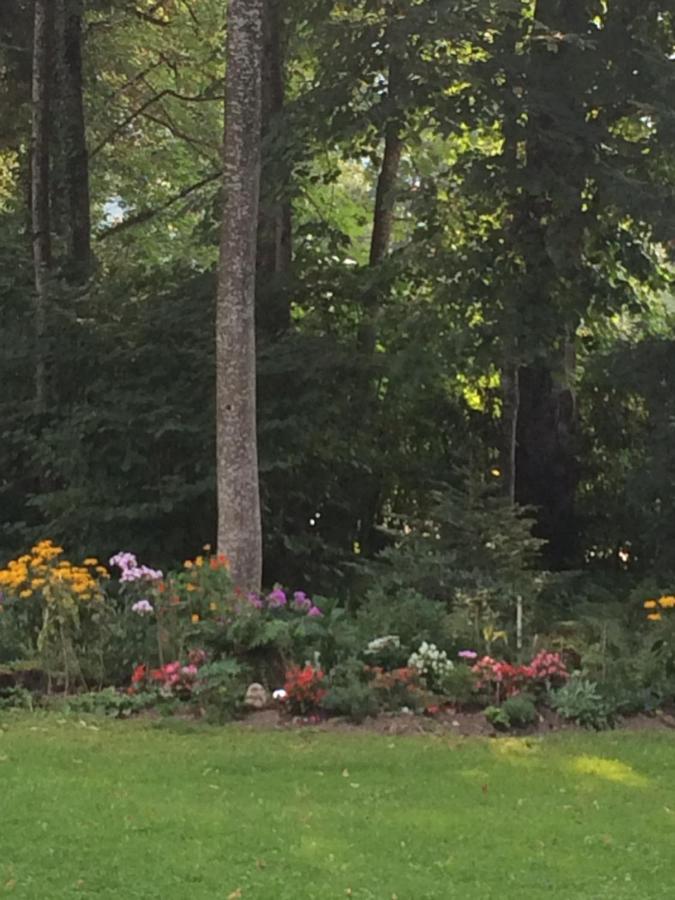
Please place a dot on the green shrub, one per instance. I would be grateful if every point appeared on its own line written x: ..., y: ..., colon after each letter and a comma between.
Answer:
x: 520, y: 710
x: 111, y: 702
x: 458, y: 685
x: 406, y: 614
x: 497, y: 717
x: 516, y: 712
x: 220, y: 690
x: 580, y: 701
x: 350, y: 693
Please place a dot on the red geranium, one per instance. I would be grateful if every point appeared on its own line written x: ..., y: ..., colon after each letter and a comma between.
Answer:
x: 304, y: 689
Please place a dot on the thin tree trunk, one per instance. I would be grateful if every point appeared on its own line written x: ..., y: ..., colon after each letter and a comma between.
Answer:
x: 41, y: 236
x: 275, y: 224
x: 383, y: 212
x: 385, y: 196
x: 239, y: 527
x: 510, y: 412
x: 73, y: 143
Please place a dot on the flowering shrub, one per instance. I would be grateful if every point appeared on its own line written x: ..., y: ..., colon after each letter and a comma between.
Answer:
x: 398, y: 689
x: 505, y: 679
x: 305, y: 689
x: 432, y: 664
x: 548, y: 668
x: 277, y: 599
x: 501, y: 678
x: 386, y: 652
x: 42, y: 574
x: 172, y: 679
x: 52, y: 597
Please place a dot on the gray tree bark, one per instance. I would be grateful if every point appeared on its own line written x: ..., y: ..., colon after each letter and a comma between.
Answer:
x: 40, y: 223
x: 239, y: 526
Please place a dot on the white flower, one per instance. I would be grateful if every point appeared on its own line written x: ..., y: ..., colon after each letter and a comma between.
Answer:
x: 280, y: 694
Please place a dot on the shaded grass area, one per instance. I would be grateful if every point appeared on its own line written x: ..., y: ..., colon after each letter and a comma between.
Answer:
x: 131, y: 810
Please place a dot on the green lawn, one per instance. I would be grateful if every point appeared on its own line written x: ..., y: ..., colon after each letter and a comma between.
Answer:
x: 125, y: 810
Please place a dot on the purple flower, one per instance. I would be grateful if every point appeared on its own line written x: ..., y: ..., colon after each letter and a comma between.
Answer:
x: 467, y: 654
x: 301, y: 600
x: 123, y: 561
x: 254, y: 600
x: 276, y: 598
x: 142, y: 607
x: 314, y: 611
x: 131, y: 571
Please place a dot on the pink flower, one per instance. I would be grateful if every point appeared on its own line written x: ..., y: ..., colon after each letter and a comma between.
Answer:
x: 314, y: 611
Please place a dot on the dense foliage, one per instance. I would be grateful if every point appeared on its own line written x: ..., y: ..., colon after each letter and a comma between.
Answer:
x: 464, y: 314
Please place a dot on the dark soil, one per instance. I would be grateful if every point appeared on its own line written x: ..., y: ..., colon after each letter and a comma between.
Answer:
x: 462, y: 724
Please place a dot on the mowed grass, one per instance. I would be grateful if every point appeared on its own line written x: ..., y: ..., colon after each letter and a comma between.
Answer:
x: 126, y: 810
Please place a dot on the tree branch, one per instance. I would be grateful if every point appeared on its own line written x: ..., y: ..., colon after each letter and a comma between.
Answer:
x: 144, y: 215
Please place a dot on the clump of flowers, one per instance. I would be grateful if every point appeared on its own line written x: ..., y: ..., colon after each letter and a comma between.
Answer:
x: 143, y: 608
x: 43, y: 573
x: 131, y: 571
x: 502, y: 678
x: 654, y: 607
x: 431, y: 663
x: 172, y: 679
x: 305, y: 689
x: 277, y: 599
x: 505, y: 679
x: 549, y: 668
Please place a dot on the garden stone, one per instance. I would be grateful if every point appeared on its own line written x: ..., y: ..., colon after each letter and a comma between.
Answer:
x: 256, y: 696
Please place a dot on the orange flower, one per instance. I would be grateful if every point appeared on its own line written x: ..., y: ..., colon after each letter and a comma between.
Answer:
x: 654, y: 617
x: 195, y: 618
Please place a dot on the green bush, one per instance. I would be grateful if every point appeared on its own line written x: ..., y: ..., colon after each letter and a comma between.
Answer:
x: 407, y: 614
x: 497, y: 717
x: 350, y: 693
x: 516, y: 712
x: 220, y: 690
x: 580, y: 701
x: 458, y: 685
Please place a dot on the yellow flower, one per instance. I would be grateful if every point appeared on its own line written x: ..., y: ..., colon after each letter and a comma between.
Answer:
x: 102, y: 571
x: 191, y: 587
x: 195, y: 618
x: 199, y: 561
x: 213, y: 607
x: 90, y: 561
x: 25, y: 594
x: 650, y: 604
x: 38, y: 582
x: 188, y: 564
x: 667, y: 602
x: 654, y: 617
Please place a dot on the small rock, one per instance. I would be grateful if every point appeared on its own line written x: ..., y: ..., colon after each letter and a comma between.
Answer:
x: 256, y: 696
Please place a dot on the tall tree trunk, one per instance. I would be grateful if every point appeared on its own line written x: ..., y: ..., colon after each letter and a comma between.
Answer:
x: 275, y: 223
x: 73, y: 143
x: 380, y: 244
x: 546, y: 466
x: 41, y: 234
x: 239, y: 528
